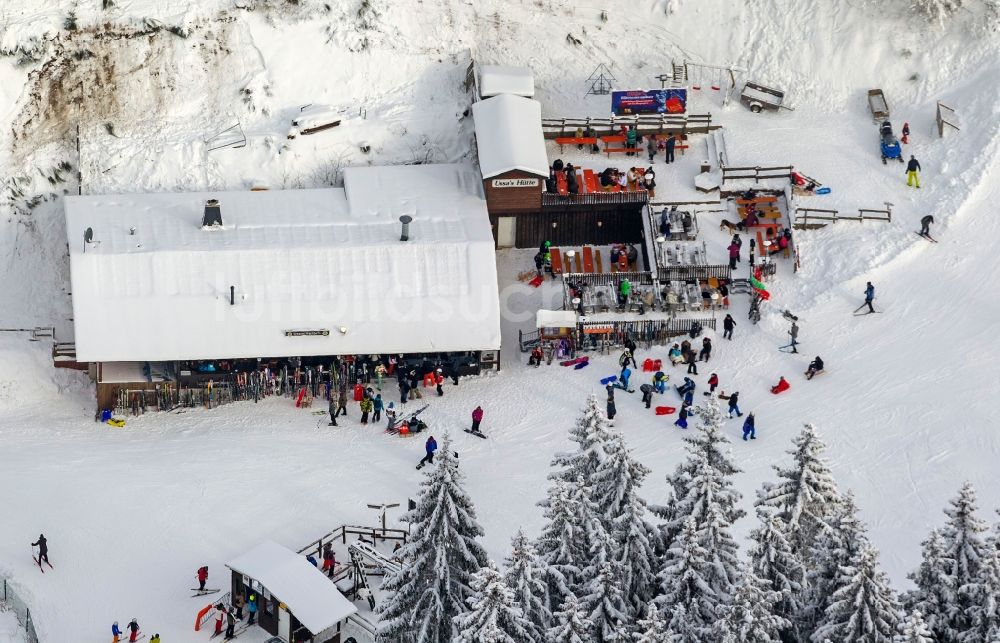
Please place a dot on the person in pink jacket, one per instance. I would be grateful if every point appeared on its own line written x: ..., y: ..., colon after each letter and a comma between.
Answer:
x: 477, y: 417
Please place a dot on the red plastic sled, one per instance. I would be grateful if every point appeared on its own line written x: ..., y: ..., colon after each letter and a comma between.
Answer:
x: 665, y: 410
x: 536, y: 282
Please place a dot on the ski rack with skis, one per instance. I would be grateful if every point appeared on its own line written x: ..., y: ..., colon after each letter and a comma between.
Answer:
x: 361, y: 552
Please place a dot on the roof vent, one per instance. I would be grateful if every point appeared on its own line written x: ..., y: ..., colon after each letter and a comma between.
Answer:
x: 405, y: 220
x: 213, y: 214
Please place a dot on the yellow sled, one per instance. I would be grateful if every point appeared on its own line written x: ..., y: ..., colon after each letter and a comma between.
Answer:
x: 116, y: 422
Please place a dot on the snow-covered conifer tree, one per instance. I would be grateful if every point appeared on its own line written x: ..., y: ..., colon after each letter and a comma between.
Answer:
x: 966, y: 549
x: 616, y: 487
x: 830, y: 553
x: 937, y: 11
x: 806, y: 497
x: 864, y: 609
x: 935, y: 590
x: 524, y: 575
x: 773, y: 561
x: 749, y: 616
x: 603, y: 603
x: 708, y: 444
x: 571, y: 625
x: 913, y: 630
x: 561, y: 548
x: 984, y: 596
x: 688, y: 602
x: 440, y: 558
x: 493, y: 616
x: 651, y: 629
x: 590, y: 434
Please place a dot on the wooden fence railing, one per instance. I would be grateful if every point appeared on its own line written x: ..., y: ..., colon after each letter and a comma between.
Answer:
x: 644, y: 123
x: 812, y: 218
x: 550, y: 200
x: 756, y: 173
x: 692, y: 273
x: 602, y: 335
x: 609, y: 278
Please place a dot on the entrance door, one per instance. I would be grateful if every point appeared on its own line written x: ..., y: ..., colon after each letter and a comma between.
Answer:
x: 506, y: 232
x: 284, y: 623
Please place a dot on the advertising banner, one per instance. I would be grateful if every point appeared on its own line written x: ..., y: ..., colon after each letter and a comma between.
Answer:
x: 653, y: 101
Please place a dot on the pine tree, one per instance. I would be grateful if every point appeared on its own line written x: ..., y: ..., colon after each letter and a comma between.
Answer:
x: 750, y: 617
x: 966, y: 550
x: 604, y: 605
x: 561, y: 547
x: 913, y: 630
x: 984, y: 596
x: 773, y: 561
x: 724, y: 569
x: 526, y: 579
x: 651, y: 629
x: 440, y: 558
x: 494, y: 616
x: 708, y: 443
x: 688, y: 602
x: 832, y: 551
x: 618, y: 503
x: 571, y: 626
x: 935, y: 591
x: 864, y: 609
x: 590, y: 433
x: 807, y: 496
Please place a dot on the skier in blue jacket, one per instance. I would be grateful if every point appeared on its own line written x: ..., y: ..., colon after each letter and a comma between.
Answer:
x: 430, y: 447
x: 869, y: 296
x: 377, y: 406
x: 622, y: 382
x: 116, y: 632
x: 748, y: 428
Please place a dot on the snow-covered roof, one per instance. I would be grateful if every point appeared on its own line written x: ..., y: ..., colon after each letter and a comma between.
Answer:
x: 509, y: 136
x: 504, y: 79
x: 326, y: 261
x: 294, y: 581
x: 555, y: 319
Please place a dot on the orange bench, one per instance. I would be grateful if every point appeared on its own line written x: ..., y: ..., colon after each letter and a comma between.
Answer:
x: 590, y: 181
x: 757, y: 200
x: 555, y: 260
x: 588, y: 259
x: 562, y: 186
x: 572, y: 140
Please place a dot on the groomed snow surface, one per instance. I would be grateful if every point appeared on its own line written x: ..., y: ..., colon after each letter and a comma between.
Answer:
x: 905, y: 408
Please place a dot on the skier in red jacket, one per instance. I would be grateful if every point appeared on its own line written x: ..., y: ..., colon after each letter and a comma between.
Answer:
x: 202, y: 577
x: 477, y: 417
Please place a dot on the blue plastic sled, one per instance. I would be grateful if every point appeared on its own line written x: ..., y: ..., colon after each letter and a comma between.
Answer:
x: 609, y: 380
x: 823, y: 190
x: 580, y: 365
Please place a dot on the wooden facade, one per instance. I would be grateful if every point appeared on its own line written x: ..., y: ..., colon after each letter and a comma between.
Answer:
x: 514, y: 192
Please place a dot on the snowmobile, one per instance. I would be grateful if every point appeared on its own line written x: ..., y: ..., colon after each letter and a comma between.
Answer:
x: 890, y: 144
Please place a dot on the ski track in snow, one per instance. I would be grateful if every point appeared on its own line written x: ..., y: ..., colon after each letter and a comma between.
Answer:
x: 132, y: 513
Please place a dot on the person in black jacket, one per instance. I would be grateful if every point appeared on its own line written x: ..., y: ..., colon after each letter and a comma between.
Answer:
x: 43, y: 549
x: 728, y: 324
x: 647, y: 394
x: 925, y: 225
x: 814, y: 367
x: 912, y: 167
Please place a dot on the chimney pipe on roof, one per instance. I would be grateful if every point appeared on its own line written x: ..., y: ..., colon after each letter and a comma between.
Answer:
x: 213, y: 214
x: 232, y: 295
x: 405, y: 220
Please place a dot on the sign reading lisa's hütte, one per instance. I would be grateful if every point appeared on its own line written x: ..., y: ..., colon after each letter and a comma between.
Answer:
x: 319, y: 332
x: 516, y: 183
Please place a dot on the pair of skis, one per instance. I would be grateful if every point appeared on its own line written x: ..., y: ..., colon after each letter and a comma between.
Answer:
x: 478, y: 434
x: 203, y: 592
x: 928, y: 237
x: 39, y: 563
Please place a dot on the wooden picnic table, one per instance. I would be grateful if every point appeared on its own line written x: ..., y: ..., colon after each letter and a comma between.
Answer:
x: 572, y: 140
x: 757, y: 200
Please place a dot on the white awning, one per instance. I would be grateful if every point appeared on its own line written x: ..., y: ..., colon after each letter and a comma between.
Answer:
x: 291, y: 579
x: 555, y: 319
